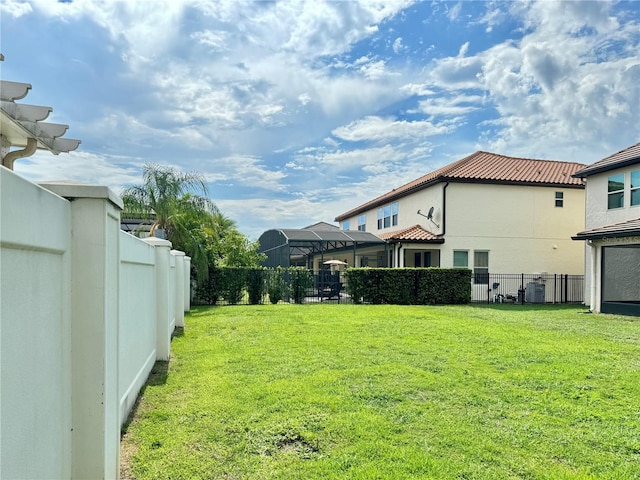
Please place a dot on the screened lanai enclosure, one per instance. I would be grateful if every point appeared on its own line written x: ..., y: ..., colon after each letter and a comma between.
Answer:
x: 310, y: 248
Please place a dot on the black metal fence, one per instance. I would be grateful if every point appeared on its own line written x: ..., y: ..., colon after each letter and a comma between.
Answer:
x: 529, y: 288
x: 330, y: 287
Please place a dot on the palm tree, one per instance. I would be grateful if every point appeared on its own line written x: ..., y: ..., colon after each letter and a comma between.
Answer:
x: 177, y: 204
x: 159, y: 195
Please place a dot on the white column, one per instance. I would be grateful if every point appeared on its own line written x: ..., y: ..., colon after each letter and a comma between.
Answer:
x: 179, y: 287
x: 187, y: 283
x: 595, y: 278
x: 95, y: 259
x: 163, y: 322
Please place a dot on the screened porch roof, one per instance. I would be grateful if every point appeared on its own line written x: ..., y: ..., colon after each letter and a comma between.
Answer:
x: 349, y: 236
x: 281, y: 245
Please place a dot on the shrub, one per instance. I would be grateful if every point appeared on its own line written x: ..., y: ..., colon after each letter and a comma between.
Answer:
x: 405, y: 286
x: 210, y: 291
x: 233, y: 283
x: 300, y: 281
x: 255, y: 285
x: 276, y: 286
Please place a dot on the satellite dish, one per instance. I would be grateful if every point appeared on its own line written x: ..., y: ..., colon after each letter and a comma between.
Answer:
x: 430, y: 214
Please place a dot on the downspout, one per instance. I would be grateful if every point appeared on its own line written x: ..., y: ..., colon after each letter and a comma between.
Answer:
x: 444, y: 208
x: 398, y: 255
x: 27, y: 151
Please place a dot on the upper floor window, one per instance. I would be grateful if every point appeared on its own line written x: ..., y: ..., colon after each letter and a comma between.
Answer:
x: 559, y: 199
x: 346, y: 224
x: 635, y: 187
x: 615, y: 191
x: 362, y: 223
x: 388, y: 216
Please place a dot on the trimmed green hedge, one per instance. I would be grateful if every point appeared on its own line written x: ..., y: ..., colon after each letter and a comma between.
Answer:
x: 231, y: 284
x: 409, y: 286
x: 398, y: 286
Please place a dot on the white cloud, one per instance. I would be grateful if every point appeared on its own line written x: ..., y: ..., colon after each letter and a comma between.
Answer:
x: 244, y: 170
x: 454, y: 11
x: 397, y: 45
x: 14, y: 8
x: 267, y: 213
x: 380, y: 129
x: 82, y: 167
x: 420, y: 90
x: 450, y: 106
x: 304, y: 98
x: 457, y: 72
x: 217, y: 41
x: 374, y: 70
x: 552, y: 88
x: 463, y: 49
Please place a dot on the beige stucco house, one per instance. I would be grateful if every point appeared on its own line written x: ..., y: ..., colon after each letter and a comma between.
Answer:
x: 612, y: 232
x: 491, y: 213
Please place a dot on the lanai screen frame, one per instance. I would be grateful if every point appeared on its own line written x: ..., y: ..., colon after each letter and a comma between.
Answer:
x: 281, y: 245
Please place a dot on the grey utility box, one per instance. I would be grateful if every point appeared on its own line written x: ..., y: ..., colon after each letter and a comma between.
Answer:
x: 534, y: 293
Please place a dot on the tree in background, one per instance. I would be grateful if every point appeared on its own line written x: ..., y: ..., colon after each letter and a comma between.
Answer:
x: 177, y: 204
x: 160, y: 196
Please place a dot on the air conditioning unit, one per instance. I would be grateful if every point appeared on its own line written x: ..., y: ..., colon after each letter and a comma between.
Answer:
x: 534, y: 293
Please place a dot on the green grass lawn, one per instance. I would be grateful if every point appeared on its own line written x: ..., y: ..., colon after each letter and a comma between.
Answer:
x: 392, y: 392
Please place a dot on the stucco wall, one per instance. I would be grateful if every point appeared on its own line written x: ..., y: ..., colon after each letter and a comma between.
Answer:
x: 597, y: 215
x: 519, y: 225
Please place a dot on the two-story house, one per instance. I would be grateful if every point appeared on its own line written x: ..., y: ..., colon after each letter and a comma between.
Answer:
x: 488, y: 212
x: 612, y: 232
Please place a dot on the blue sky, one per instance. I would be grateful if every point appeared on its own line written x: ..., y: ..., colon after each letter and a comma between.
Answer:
x: 298, y: 111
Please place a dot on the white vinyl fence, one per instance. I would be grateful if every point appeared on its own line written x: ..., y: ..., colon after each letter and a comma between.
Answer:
x: 85, y: 311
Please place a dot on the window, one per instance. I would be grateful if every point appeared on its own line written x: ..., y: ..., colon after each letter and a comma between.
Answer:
x: 559, y: 199
x: 635, y: 188
x: 362, y: 223
x: 616, y: 191
x: 346, y: 225
x: 481, y: 267
x: 460, y: 259
x: 388, y: 216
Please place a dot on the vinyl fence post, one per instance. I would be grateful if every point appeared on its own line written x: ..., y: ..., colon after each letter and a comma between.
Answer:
x: 179, y: 287
x: 164, y: 315
x: 95, y: 263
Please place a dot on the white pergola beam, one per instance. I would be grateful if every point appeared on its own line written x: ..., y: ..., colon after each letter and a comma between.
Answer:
x: 64, y: 145
x: 22, y: 126
x: 25, y: 113
x: 11, y: 91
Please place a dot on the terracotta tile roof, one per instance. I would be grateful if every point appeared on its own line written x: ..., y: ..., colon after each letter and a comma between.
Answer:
x: 486, y: 167
x: 412, y: 234
x: 630, y: 228
x: 628, y: 156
